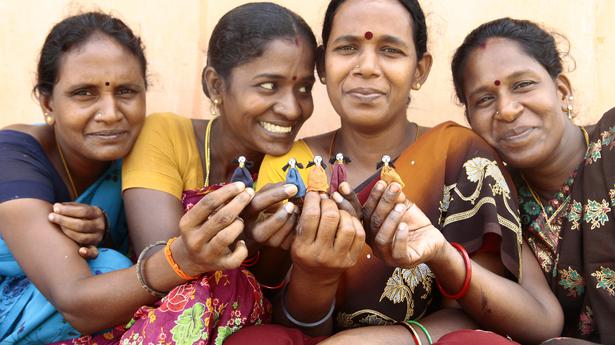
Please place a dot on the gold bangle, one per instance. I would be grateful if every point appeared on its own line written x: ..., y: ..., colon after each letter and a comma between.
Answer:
x: 141, y: 277
x: 413, y: 332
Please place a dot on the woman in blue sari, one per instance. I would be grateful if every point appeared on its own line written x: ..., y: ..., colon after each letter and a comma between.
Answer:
x: 60, y: 189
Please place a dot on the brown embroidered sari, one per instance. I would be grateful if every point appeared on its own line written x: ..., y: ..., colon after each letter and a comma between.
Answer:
x: 577, y: 251
x: 457, y: 180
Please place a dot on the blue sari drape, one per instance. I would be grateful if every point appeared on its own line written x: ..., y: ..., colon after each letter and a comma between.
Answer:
x: 26, y: 316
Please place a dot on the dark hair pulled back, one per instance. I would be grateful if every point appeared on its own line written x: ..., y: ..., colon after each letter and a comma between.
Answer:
x: 243, y: 33
x: 419, y: 28
x: 75, y: 31
x: 535, y: 42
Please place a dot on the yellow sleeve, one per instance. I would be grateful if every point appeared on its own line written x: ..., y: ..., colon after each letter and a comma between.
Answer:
x: 271, y: 167
x: 164, y: 157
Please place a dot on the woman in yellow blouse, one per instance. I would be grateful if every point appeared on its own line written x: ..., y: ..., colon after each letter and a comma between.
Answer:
x: 260, y: 89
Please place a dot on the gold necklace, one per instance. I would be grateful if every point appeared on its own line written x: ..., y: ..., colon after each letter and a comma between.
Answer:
x: 70, y: 178
x: 207, y: 150
x: 536, y: 198
x: 548, y: 219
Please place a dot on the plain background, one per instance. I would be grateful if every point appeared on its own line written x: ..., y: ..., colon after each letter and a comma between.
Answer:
x: 176, y: 33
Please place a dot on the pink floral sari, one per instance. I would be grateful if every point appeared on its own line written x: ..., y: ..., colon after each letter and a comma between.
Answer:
x: 203, y: 311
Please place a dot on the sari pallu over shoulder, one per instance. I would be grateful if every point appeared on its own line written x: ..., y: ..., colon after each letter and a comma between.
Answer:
x: 460, y: 183
x: 26, y: 316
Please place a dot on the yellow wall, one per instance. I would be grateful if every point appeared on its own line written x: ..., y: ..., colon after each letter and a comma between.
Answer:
x: 176, y: 34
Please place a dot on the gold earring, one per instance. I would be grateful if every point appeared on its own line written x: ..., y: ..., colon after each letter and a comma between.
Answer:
x: 49, y: 120
x: 497, y: 113
x: 569, y: 107
x: 323, y: 80
x: 418, y: 86
x: 213, y: 109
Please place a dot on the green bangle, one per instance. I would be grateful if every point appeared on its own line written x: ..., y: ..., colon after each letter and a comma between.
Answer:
x: 412, y: 322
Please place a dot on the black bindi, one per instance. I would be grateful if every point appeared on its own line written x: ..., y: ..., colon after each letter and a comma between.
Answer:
x: 107, y: 83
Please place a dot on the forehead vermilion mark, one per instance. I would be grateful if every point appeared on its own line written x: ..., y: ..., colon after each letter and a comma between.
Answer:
x: 497, y: 83
x: 483, y: 45
x: 297, y: 41
x: 368, y: 35
x: 107, y: 83
x: 294, y: 77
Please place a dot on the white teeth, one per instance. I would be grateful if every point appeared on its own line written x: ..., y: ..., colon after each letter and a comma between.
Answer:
x: 270, y: 127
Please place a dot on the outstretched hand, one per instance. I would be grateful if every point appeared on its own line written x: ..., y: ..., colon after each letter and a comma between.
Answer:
x: 328, y: 240
x: 407, y: 238
x: 399, y: 232
x: 268, y: 221
x: 210, y: 228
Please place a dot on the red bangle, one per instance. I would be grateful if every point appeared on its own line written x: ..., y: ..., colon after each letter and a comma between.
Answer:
x: 274, y: 287
x: 251, y: 261
x: 407, y: 326
x: 466, y: 282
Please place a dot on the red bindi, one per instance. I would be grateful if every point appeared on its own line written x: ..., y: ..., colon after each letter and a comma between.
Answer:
x: 294, y: 77
x: 497, y: 83
x: 107, y: 84
x: 369, y: 35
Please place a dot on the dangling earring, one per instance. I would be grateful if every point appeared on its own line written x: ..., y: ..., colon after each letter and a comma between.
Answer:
x: 569, y: 107
x: 213, y: 109
x: 49, y: 120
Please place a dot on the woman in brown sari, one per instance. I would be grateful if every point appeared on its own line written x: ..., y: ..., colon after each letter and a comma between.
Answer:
x: 374, y: 56
x: 508, y: 73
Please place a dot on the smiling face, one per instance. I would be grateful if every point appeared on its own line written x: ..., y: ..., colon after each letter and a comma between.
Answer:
x: 99, y: 77
x: 371, y: 63
x: 266, y: 100
x: 513, y: 103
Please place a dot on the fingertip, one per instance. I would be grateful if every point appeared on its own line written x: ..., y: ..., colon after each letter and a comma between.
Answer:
x: 239, y: 185
x: 290, y: 189
x: 50, y: 217
x: 380, y: 185
x: 344, y: 187
x: 324, y: 196
x: 289, y: 207
x: 56, y: 208
x: 337, y: 197
x: 395, y: 187
x: 250, y: 191
x: 400, y: 208
x: 402, y: 226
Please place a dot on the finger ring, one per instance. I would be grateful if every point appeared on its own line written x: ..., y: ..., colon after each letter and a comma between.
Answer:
x: 239, y: 219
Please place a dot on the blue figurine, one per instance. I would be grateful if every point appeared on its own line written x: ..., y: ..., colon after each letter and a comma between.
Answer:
x: 293, y: 176
x: 241, y: 173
